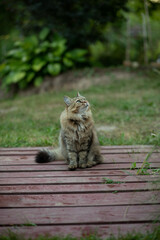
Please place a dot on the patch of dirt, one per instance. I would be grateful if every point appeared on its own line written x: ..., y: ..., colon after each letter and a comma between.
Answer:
x: 75, y: 79
x: 3, y: 111
x: 105, y: 128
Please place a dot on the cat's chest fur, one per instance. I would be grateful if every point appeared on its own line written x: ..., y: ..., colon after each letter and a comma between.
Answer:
x: 81, y: 131
x: 77, y: 130
x: 79, y: 135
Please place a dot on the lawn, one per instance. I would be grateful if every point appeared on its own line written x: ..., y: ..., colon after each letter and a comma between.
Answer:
x: 126, y: 111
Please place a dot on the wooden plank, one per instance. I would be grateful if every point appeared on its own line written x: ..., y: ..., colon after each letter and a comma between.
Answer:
x: 14, y: 152
x: 22, y: 149
x: 102, y: 147
x: 76, y: 180
x: 119, y: 158
x: 49, y: 167
x: 57, y: 199
x: 80, y: 199
x: 129, y: 151
x: 55, y: 166
x: 102, y: 230
x: 128, y: 147
x: 76, y: 173
x: 80, y: 215
x: 78, y: 188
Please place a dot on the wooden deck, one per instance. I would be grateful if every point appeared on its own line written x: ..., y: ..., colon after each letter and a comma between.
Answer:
x: 49, y: 199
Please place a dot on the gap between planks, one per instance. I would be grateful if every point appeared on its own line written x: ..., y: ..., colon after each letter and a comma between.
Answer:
x: 78, y: 188
x: 78, y: 180
x: 75, y: 174
x: 49, y: 167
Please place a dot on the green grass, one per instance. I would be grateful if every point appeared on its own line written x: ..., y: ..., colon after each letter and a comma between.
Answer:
x: 154, y: 235
x: 131, y: 106
x: 110, y: 181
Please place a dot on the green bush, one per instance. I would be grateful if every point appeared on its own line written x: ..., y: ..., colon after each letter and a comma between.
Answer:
x: 35, y: 57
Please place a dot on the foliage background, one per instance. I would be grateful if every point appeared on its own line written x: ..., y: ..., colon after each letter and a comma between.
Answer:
x: 111, y: 32
x: 82, y: 23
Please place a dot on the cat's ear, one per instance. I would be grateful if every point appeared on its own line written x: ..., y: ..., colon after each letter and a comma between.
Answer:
x: 67, y: 100
x: 79, y: 95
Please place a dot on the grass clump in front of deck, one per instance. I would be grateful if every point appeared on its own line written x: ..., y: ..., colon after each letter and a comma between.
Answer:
x: 126, y: 112
x: 110, y: 181
x: 154, y: 235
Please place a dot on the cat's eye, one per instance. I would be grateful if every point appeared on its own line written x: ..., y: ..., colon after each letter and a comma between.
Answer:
x: 78, y: 101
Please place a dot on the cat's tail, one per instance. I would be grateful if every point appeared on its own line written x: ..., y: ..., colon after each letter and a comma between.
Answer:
x: 46, y: 155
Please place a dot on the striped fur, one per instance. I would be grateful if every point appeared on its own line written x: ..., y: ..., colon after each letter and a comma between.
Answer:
x: 78, y: 142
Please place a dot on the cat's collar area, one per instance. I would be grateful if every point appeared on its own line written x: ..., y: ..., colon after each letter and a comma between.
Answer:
x: 73, y: 120
x: 77, y: 121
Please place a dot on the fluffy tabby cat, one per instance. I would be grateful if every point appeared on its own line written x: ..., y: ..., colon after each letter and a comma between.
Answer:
x: 79, y: 145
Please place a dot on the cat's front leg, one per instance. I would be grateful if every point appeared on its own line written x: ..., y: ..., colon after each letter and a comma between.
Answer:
x: 72, y: 158
x: 83, y: 159
x: 94, y: 156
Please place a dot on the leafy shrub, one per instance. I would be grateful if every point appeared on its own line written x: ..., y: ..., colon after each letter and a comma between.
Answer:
x: 35, y: 57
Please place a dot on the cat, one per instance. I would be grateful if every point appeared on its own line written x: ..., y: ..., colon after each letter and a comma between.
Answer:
x: 78, y: 141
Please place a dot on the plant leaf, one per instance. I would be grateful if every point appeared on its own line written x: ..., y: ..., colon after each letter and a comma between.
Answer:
x: 38, y: 64
x: 30, y: 76
x: 59, y: 47
x: 68, y: 62
x: 44, y: 33
x: 54, y: 69
x: 50, y: 57
x: 2, y: 67
x: 17, y: 53
x: 30, y: 43
x: 14, y: 77
x: 42, y: 47
x: 38, y: 81
x: 77, y: 55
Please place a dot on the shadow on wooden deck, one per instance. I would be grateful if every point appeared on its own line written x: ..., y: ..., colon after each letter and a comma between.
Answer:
x: 49, y: 199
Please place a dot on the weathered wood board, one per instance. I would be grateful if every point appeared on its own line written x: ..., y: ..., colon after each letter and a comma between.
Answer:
x: 38, y: 199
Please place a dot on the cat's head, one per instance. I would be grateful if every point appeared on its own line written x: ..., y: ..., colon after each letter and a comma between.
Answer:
x: 77, y: 105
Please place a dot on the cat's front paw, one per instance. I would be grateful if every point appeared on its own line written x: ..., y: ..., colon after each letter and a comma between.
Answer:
x: 99, y: 159
x: 82, y: 165
x: 72, y: 166
x: 91, y: 164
